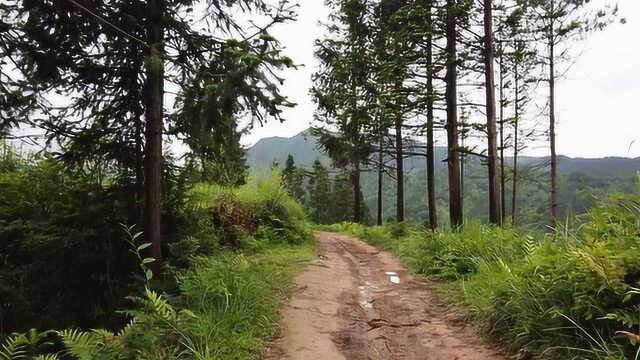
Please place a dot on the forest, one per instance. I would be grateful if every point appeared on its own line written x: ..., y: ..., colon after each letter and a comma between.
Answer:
x: 136, y: 224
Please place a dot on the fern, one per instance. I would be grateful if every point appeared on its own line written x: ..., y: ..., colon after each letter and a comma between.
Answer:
x: 47, y: 357
x: 13, y: 348
x: 80, y: 344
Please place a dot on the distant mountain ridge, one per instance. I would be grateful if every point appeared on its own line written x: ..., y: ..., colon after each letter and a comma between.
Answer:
x: 304, y: 149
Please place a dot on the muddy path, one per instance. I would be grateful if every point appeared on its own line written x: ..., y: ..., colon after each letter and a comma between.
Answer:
x: 356, y: 302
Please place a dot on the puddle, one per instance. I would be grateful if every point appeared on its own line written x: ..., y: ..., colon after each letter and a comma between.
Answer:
x: 393, y: 277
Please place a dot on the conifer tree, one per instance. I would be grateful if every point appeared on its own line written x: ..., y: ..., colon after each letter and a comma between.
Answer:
x: 341, y: 94
x: 319, y: 193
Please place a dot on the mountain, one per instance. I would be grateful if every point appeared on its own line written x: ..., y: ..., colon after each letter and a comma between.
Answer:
x: 304, y: 149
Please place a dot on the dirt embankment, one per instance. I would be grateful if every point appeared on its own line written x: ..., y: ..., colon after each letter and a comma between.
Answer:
x: 356, y: 302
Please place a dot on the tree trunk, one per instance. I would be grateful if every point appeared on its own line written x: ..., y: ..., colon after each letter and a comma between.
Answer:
x: 380, y: 176
x: 154, y: 88
x: 453, y: 160
x: 516, y: 120
x: 357, y: 201
x: 431, y: 192
x: 552, y: 123
x: 399, y: 169
x: 502, y: 144
x: 495, y: 213
x: 139, y: 171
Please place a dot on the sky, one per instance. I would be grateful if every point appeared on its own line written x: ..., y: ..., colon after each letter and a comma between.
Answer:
x: 597, y: 101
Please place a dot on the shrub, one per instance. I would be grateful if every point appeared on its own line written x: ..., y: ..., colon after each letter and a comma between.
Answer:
x: 242, y: 217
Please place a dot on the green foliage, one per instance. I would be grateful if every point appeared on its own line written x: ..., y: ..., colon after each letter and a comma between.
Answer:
x: 251, y: 212
x: 320, y: 204
x: 227, y: 307
x: 225, y: 303
x: 236, y: 300
x: 50, y: 212
x: 293, y: 179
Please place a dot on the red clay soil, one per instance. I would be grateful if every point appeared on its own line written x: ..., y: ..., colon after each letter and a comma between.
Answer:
x: 356, y: 302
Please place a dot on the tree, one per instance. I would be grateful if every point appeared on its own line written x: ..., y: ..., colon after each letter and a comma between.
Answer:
x: 319, y: 193
x: 431, y: 195
x: 453, y: 159
x: 556, y: 22
x: 340, y: 93
x: 495, y: 210
x: 293, y: 179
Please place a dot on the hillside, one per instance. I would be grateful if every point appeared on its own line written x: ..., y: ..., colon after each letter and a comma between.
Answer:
x: 304, y: 149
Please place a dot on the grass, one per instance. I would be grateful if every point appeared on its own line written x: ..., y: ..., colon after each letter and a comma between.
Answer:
x: 236, y: 299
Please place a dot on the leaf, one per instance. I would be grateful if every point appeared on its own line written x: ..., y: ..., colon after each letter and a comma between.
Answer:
x: 143, y: 246
x: 148, y: 274
x: 148, y: 260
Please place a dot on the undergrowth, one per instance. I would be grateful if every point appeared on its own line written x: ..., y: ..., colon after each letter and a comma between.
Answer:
x: 569, y: 294
x: 231, y: 270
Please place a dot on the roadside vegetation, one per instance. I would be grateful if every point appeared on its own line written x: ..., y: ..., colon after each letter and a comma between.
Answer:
x: 570, y: 293
x: 230, y: 261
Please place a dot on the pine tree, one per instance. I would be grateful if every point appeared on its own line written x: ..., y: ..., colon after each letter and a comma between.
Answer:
x: 341, y: 94
x: 319, y: 194
x: 293, y: 179
x: 555, y: 23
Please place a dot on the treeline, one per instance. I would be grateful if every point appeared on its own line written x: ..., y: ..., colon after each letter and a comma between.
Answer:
x: 328, y: 197
x: 394, y: 71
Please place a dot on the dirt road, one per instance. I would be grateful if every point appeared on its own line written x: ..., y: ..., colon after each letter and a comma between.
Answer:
x: 356, y: 302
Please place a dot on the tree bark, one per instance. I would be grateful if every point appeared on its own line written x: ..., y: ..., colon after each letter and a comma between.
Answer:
x: 552, y: 121
x: 399, y: 169
x: 502, y: 144
x: 516, y: 120
x: 453, y: 159
x: 357, y: 201
x: 154, y: 88
x: 495, y: 213
x: 380, y: 176
x: 431, y: 192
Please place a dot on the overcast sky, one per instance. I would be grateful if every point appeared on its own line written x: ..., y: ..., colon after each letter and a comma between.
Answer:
x: 597, y: 102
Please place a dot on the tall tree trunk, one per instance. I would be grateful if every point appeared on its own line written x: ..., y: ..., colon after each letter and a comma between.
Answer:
x: 139, y: 171
x: 516, y: 120
x: 495, y: 211
x: 502, y: 144
x: 461, y: 152
x: 552, y: 121
x: 380, y: 176
x: 357, y: 200
x: 154, y: 88
x: 453, y: 160
x: 399, y: 169
x: 431, y: 192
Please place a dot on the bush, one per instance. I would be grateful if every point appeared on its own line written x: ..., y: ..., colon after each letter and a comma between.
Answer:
x: 247, y: 216
x: 63, y: 258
